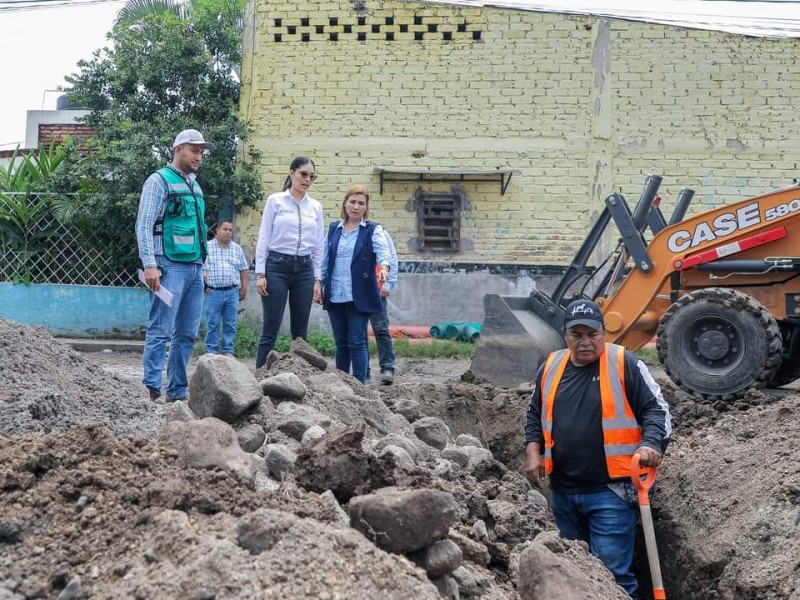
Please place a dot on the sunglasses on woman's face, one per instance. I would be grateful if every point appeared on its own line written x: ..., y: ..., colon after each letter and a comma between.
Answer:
x: 307, y: 175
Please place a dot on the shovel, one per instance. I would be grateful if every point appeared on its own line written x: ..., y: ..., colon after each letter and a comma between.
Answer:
x: 642, y: 488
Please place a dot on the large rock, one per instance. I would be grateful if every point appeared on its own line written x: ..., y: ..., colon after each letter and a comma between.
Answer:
x: 331, y: 385
x: 178, y: 411
x: 408, y: 408
x: 295, y: 419
x: 284, y: 385
x: 207, y: 444
x: 470, y: 549
x: 482, y: 464
x: 448, y: 587
x: 432, y: 431
x: 456, y: 455
x: 307, y: 352
x: 312, y: 434
x: 544, y: 574
x: 222, y: 387
x: 335, y: 462
x: 468, y: 440
x: 251, y: 437
x: 280, y: 460
x: 396, y: 439
x: 400, y: 455
x: 403, y: 520
x: 439, y: 559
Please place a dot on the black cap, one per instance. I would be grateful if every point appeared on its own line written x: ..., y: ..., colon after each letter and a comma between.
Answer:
x: 583, y: 312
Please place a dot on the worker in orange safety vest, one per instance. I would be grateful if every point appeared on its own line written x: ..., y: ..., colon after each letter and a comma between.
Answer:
x: 593, y: 406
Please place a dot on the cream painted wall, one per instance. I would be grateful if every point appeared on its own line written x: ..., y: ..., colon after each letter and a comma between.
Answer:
x: 582, y: 106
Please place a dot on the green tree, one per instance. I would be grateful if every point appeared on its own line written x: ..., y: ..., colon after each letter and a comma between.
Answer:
x: 166, y: 72
x: 27, y: 226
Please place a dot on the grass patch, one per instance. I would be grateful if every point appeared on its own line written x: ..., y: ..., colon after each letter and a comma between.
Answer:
x: 247, y: 334
x: 648, y: 355
x: 435, y: 349
x: 245, y: 345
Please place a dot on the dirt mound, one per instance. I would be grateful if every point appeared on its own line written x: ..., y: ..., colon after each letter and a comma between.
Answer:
x: 86, y: 512
x: 47, y: 386
x: 728, y: 507
x: 119, y: 515
x: 89, y: 511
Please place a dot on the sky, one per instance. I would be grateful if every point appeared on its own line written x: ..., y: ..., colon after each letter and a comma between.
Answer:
x: 39, y: 47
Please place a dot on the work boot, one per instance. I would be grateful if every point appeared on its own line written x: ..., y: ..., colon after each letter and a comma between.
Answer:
x: 387, y: 377
x: 155, y: 395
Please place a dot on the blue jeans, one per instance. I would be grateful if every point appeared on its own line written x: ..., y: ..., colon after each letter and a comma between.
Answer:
x: 177, y: 324
x: 288, y: 277
x: 222, y: 308
x: 383, y: 339
x: 350, y: 334
x: 607, y: 523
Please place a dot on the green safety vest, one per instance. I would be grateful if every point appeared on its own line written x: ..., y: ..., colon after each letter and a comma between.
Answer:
x: 182, y: 227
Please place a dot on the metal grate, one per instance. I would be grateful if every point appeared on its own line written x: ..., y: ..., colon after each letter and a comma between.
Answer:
x: 36, y: 248
x: 439, y: 222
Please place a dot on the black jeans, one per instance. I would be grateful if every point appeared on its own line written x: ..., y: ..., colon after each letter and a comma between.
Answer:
x: 289, y: 277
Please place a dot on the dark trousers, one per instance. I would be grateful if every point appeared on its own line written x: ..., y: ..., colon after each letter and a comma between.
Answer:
x: 349, y: 327
x: 288, y: 277
x: 383, y: 339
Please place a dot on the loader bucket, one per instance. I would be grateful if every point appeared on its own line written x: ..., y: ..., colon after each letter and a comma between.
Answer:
x: 514, y: 340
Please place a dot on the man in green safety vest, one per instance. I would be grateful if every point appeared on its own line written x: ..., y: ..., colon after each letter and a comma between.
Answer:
x: 171, y: 234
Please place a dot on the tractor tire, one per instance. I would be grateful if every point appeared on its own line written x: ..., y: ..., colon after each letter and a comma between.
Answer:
x: 718, y: 342
x: 789, y: 370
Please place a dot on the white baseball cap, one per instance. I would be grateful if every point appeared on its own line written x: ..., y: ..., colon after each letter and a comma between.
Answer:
x: 191, y: 136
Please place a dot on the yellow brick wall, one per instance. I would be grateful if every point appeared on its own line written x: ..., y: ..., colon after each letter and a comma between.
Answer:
x: 581, y: 106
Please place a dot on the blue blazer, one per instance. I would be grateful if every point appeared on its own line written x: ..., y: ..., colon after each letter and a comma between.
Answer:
x: 366, y: 296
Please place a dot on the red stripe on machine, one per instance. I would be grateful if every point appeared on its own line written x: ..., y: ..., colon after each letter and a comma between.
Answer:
x: 733, y: 248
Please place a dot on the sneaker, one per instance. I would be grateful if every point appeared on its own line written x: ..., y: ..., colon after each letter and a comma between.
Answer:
x: 387, y: 377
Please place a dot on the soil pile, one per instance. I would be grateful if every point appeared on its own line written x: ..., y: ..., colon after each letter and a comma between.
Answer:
x: 46, y: 386
x: 728, y: 506
x: 92, y: 508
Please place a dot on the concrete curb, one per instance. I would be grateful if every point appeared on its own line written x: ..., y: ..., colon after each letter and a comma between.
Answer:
x: 89, y: 345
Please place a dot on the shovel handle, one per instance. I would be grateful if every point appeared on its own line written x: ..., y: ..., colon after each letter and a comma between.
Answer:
x: 642, y: 485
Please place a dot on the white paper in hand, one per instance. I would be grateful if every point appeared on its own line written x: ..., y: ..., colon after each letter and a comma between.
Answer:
x: 163, y: 293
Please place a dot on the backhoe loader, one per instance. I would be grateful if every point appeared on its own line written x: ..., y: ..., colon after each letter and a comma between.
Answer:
x: 719, y: 290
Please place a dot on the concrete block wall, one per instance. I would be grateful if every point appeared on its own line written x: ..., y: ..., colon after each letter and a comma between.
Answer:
x: 582, y: 106
x: 478, y: 90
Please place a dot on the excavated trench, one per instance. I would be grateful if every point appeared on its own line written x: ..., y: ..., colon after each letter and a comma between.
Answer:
x: 727, y: 506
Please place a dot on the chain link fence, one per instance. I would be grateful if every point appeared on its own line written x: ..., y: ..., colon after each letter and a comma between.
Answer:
x: 35, y: 247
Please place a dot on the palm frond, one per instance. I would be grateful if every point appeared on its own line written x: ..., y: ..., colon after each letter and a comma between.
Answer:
x: 135, y: 11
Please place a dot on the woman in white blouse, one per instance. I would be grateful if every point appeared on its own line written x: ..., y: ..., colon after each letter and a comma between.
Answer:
x: 289, y: 256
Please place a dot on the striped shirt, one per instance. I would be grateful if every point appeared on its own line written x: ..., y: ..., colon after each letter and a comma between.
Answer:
x: 224, y: 265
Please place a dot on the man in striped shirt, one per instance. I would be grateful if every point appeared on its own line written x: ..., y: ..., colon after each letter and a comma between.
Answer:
x: 225, y: 275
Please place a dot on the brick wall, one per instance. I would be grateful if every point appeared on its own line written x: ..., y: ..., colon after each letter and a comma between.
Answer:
x: 582, y: 106
x: 57, y: 132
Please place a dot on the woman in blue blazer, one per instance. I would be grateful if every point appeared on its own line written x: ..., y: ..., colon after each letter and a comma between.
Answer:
x: 349, y: 285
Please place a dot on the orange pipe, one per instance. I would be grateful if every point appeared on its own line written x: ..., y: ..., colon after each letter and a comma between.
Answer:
x: 404, y: 331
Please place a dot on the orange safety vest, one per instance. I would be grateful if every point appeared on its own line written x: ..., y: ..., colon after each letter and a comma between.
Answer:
x: 621, y: 431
